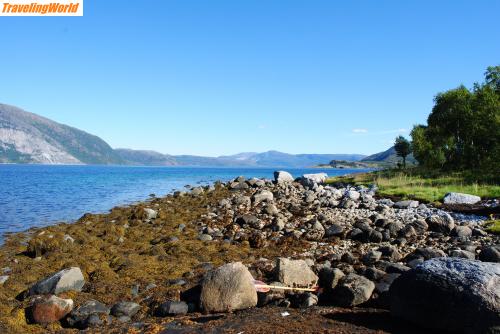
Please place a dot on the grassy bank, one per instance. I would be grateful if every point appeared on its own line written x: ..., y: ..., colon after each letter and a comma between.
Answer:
x: 429, y: 187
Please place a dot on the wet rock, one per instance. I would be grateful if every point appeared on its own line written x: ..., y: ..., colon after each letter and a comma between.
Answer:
x: 295, y: 273
x: 459, y: 198
x: 450, y: 294
x: 282, y: 177
x: 263, y: 196
x: 490, y: 254
x: 228, y: 288
x: 88, y: 315
x: 70, y: 279
x: 48, y: 309
x: 170, y: 308
x: 353, y: 290
x: 124, y: 308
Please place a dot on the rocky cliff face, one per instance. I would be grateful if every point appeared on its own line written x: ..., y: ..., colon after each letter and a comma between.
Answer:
x: 29, y: 138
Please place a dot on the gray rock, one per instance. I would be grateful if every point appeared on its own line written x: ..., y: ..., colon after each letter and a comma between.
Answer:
x: 263, y: 195
x: 442, y: 224
x: 316, y: 232
x: 462, y: 254
x: 307, y: 300
x: 3, y: 279
x: 450, y: 294
x: 124, y: 308
x: 459, y: 198
x: 461, y: 232
x: 70, y: 279
x: 353, y: 290
x: 329, y: 277
x: 334, y: 230
x: 228, y: 288
x: 310, y: 180
x: 87, y: 315
x: 282, y: 177
x: 197, y: 191
x: 372, y: 257
x: 171, y: 307
x: 406, y: 204
x: 352, y: 195
x: 150, y: 213
x: 295, y: 273
x: 250, y: 220
x: 490, y: 254
x: 205, y: 237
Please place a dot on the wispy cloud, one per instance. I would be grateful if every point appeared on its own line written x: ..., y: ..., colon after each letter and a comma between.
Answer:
x: 358, y: 130
x: 262, y: 126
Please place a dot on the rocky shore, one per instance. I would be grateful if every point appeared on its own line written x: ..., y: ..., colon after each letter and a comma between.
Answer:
x: 188, y: 263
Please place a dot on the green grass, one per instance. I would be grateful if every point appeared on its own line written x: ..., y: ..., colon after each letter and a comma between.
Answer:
x: 414, y: 184
x: 493, y: 226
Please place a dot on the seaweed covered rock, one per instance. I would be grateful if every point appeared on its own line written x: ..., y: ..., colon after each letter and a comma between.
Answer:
x: 451, y: 294
x: 228, y: 288
x: 70, y: 279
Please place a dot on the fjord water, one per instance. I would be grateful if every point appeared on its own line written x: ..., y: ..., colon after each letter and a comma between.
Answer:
x: 38, y: 195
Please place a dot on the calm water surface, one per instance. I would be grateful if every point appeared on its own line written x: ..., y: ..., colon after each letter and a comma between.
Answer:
x: 38, y: 195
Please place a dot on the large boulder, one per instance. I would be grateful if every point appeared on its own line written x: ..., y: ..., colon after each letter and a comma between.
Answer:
x: 459, y: 198
x: 295, y: 273
x: 70, y: 279
x: 263, y: 196
x: 228, y: 288
x: 353, y: 290
x: 48, y: 309
x: 282, y: 177
x: 451, y: 294
x: 309, y: 180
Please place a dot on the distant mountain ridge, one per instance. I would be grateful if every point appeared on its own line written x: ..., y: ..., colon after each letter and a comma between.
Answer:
x: 388, y: 156
x: 29, y: 138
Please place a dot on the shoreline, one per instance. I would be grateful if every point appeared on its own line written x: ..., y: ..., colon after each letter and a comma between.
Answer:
x: 157, y: 250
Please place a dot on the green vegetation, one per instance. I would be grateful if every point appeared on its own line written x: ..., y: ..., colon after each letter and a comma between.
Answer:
x: 493, y: 226
x: 463, y: 129
x: 414, y: 183
x: 403, y: 148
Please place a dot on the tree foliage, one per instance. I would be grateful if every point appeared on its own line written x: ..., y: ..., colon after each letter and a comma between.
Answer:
x: 463, y: 129
x: 403, y: 148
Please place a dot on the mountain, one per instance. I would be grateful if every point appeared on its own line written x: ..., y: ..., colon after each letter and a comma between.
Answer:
x: 389, y: 156
x: 29, y: 138
x: 145, y: 158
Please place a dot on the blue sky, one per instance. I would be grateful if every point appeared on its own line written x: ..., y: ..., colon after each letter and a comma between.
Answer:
x: 221, y: 77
